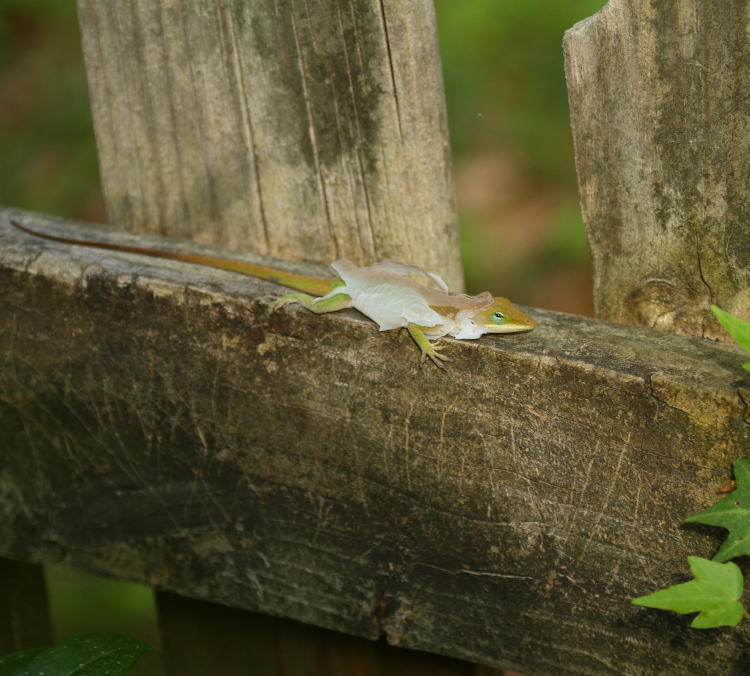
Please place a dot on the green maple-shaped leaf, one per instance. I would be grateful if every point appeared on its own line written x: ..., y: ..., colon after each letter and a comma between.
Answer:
x: 736, y: 327
x: 713, y: 594
x: 732, y: 513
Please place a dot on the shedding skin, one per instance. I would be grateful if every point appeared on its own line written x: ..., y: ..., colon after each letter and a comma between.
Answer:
x: 392, y: 294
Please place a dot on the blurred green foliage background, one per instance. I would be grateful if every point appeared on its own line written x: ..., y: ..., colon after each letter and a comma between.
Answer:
x: 47, y: 149
x: 521, y: 229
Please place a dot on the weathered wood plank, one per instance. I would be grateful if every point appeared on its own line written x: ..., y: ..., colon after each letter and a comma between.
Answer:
x: 660, y: 107
x: 160, y: 424
x: 307, y: 130
x: 24, y: 620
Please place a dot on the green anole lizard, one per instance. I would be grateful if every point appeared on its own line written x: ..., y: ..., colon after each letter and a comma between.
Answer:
x: 392, y: 294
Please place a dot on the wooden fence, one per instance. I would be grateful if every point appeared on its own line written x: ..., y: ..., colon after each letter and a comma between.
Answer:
x: 160, y: 424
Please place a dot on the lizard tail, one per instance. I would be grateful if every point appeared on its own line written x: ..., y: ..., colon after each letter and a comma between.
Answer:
x: 317, y: 286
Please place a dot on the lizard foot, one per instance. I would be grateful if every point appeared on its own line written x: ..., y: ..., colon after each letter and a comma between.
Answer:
x: 317, y: 305
x: 301, y: 298
x: 432, y: 351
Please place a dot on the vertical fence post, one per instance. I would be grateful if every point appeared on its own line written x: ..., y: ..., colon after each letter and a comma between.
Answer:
x: 660, y: 108
x: 304, y: 129
x: 24, y: 620
x: 200, y: 639
x: 308, y: 130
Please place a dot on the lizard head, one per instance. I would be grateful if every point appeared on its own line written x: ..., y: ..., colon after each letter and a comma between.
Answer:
x: 503, y: 317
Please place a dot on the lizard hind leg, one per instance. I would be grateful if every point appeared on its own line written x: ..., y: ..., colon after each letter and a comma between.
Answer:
x: 333, y: 303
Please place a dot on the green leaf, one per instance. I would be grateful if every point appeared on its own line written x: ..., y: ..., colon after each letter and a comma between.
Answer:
x: 736, y: 327
x: 84, y: 655
x: 732, y: 513
x: 713, y: 594
x: 12, y: 664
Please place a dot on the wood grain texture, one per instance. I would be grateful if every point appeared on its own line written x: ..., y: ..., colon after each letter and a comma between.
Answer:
x: 160, y: 424
x: 660, y: 106
x: 306, y: 129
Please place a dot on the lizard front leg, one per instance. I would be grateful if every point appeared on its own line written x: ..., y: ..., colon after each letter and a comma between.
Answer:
x: 428, y: 349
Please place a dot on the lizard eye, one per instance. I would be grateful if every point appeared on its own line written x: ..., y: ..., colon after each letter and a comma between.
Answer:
x: 498, y: 318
